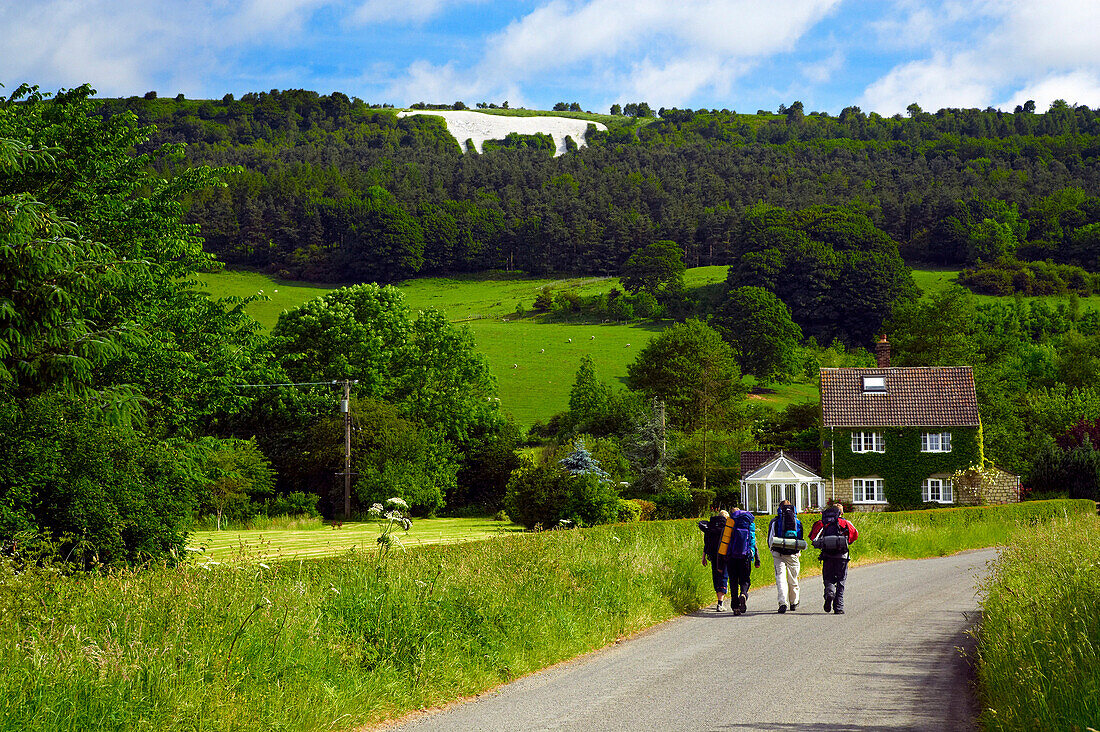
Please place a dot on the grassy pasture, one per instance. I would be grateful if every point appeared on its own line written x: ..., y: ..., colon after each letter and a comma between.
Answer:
x: 934, y: 280
x: 329, y: 644
x: 325, y: 541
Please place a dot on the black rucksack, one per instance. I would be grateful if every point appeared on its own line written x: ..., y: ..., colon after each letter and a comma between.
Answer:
x: 833, y: 540
x: 712, y: 534
x: 786, y: 525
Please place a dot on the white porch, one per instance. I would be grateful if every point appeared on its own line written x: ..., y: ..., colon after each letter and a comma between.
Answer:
x: 781, y: 478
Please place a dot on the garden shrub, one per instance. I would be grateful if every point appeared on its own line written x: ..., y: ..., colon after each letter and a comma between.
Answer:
x: 629, y: 511
x: 99, y: 493
x: 647, y: 508
x: 676, y: 501
x: 546, y: 494
x: 702, y: 500
x: 297, y: 503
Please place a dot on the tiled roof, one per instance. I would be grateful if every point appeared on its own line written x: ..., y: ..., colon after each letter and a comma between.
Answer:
x: 915, y: 396
x: 755, y: 459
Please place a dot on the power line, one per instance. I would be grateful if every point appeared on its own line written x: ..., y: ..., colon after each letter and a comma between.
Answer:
x: 298, y: 383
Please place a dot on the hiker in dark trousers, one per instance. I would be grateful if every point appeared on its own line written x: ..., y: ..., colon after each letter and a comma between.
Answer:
x: 712, y: 538
x: 740, y: 556
x: 833, y: 535
x: 786, y: 544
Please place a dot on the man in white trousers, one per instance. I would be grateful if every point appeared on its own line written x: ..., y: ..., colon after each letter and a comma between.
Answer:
x: 786, y: 544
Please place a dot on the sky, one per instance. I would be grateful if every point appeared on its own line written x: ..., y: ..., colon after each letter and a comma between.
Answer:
x: 744, y: 55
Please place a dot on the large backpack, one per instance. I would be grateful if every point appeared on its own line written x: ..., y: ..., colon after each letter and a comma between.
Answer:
x: 737, y: 539
x: 833, y: 540
x: 785, y: 536
x: 787, y: 523
x: 712, y: 534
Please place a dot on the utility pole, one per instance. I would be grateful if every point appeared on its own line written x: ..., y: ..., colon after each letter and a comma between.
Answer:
x: 345, y: 407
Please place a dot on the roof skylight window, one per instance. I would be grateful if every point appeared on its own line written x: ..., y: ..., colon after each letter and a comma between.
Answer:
x: 874, y: 384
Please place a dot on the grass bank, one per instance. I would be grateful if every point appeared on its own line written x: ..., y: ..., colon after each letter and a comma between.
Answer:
x: 340, y: 642
x: 1039, y: 646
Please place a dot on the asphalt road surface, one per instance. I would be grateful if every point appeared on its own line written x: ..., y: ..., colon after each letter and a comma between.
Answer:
x: 894, y: 661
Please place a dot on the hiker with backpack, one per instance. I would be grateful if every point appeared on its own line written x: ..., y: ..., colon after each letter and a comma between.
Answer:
x: 833, y: 535
x: 740, y: 555
x: 786, y: 543
x: 712, y: 540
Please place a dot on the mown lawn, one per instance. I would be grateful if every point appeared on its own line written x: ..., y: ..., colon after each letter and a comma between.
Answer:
x: 279, y: 544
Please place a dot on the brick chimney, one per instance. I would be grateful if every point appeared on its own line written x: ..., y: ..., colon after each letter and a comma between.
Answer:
x: 882, y: 352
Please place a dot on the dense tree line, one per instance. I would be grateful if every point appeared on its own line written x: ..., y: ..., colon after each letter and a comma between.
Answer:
x: 951, y: 187
x: 131, y: 405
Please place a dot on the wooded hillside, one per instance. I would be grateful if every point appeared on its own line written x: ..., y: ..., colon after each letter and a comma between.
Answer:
x: 335, y: 189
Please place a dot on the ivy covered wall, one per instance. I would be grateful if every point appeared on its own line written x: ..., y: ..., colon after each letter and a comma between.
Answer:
x: 903, y: 467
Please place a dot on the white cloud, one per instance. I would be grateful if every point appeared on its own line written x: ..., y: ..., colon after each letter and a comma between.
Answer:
x: 942, y: 81
x: 561, y: 34
x: 822, y: 71
x: 647, y: 49
x: 1025, y: 49
x: 260, y: 17
x: 1076, y: 87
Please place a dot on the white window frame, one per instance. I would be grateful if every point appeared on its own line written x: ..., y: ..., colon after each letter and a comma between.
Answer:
x: 874, y: 384
x: 809, y: 496
x: 860, y: 487
x: 937, y: 490
x: 935, y: 442
x: 863, y: 441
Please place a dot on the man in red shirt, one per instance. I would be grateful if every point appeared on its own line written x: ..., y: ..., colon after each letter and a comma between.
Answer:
x: 833, y: 535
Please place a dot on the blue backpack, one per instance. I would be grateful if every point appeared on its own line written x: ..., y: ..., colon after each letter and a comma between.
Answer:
x: 743, y: 536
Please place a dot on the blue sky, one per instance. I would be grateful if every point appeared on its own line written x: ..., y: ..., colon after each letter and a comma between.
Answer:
x: 880, y: 55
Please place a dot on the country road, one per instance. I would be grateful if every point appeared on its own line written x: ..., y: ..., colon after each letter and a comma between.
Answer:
x: 892, y: 662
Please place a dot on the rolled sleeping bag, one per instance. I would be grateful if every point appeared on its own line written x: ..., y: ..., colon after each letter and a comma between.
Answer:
x: 787, y: 543
x: 835, y: 544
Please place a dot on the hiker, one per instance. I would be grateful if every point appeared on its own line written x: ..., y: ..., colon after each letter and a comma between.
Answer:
x: 712, y: 539
x: 740, y: 553
x: 786, y: 543
x: 833, y: 535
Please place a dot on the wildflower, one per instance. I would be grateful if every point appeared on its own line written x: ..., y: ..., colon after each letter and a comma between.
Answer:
x: 375, y: 510
x: 406, y: 524
x: 397, y: 503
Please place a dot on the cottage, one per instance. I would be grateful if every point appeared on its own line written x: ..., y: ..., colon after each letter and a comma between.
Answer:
x: 906, y: 435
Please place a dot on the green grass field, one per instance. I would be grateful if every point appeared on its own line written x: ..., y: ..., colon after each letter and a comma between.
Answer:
x: 934, y: 280
x: 534, y: 360
x: 325, y: 541
x: 546, y: 355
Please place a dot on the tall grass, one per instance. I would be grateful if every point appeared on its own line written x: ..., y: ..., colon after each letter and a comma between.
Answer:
x: 334, y: 643
x: 1039, y: 647
x: 261, y: 522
